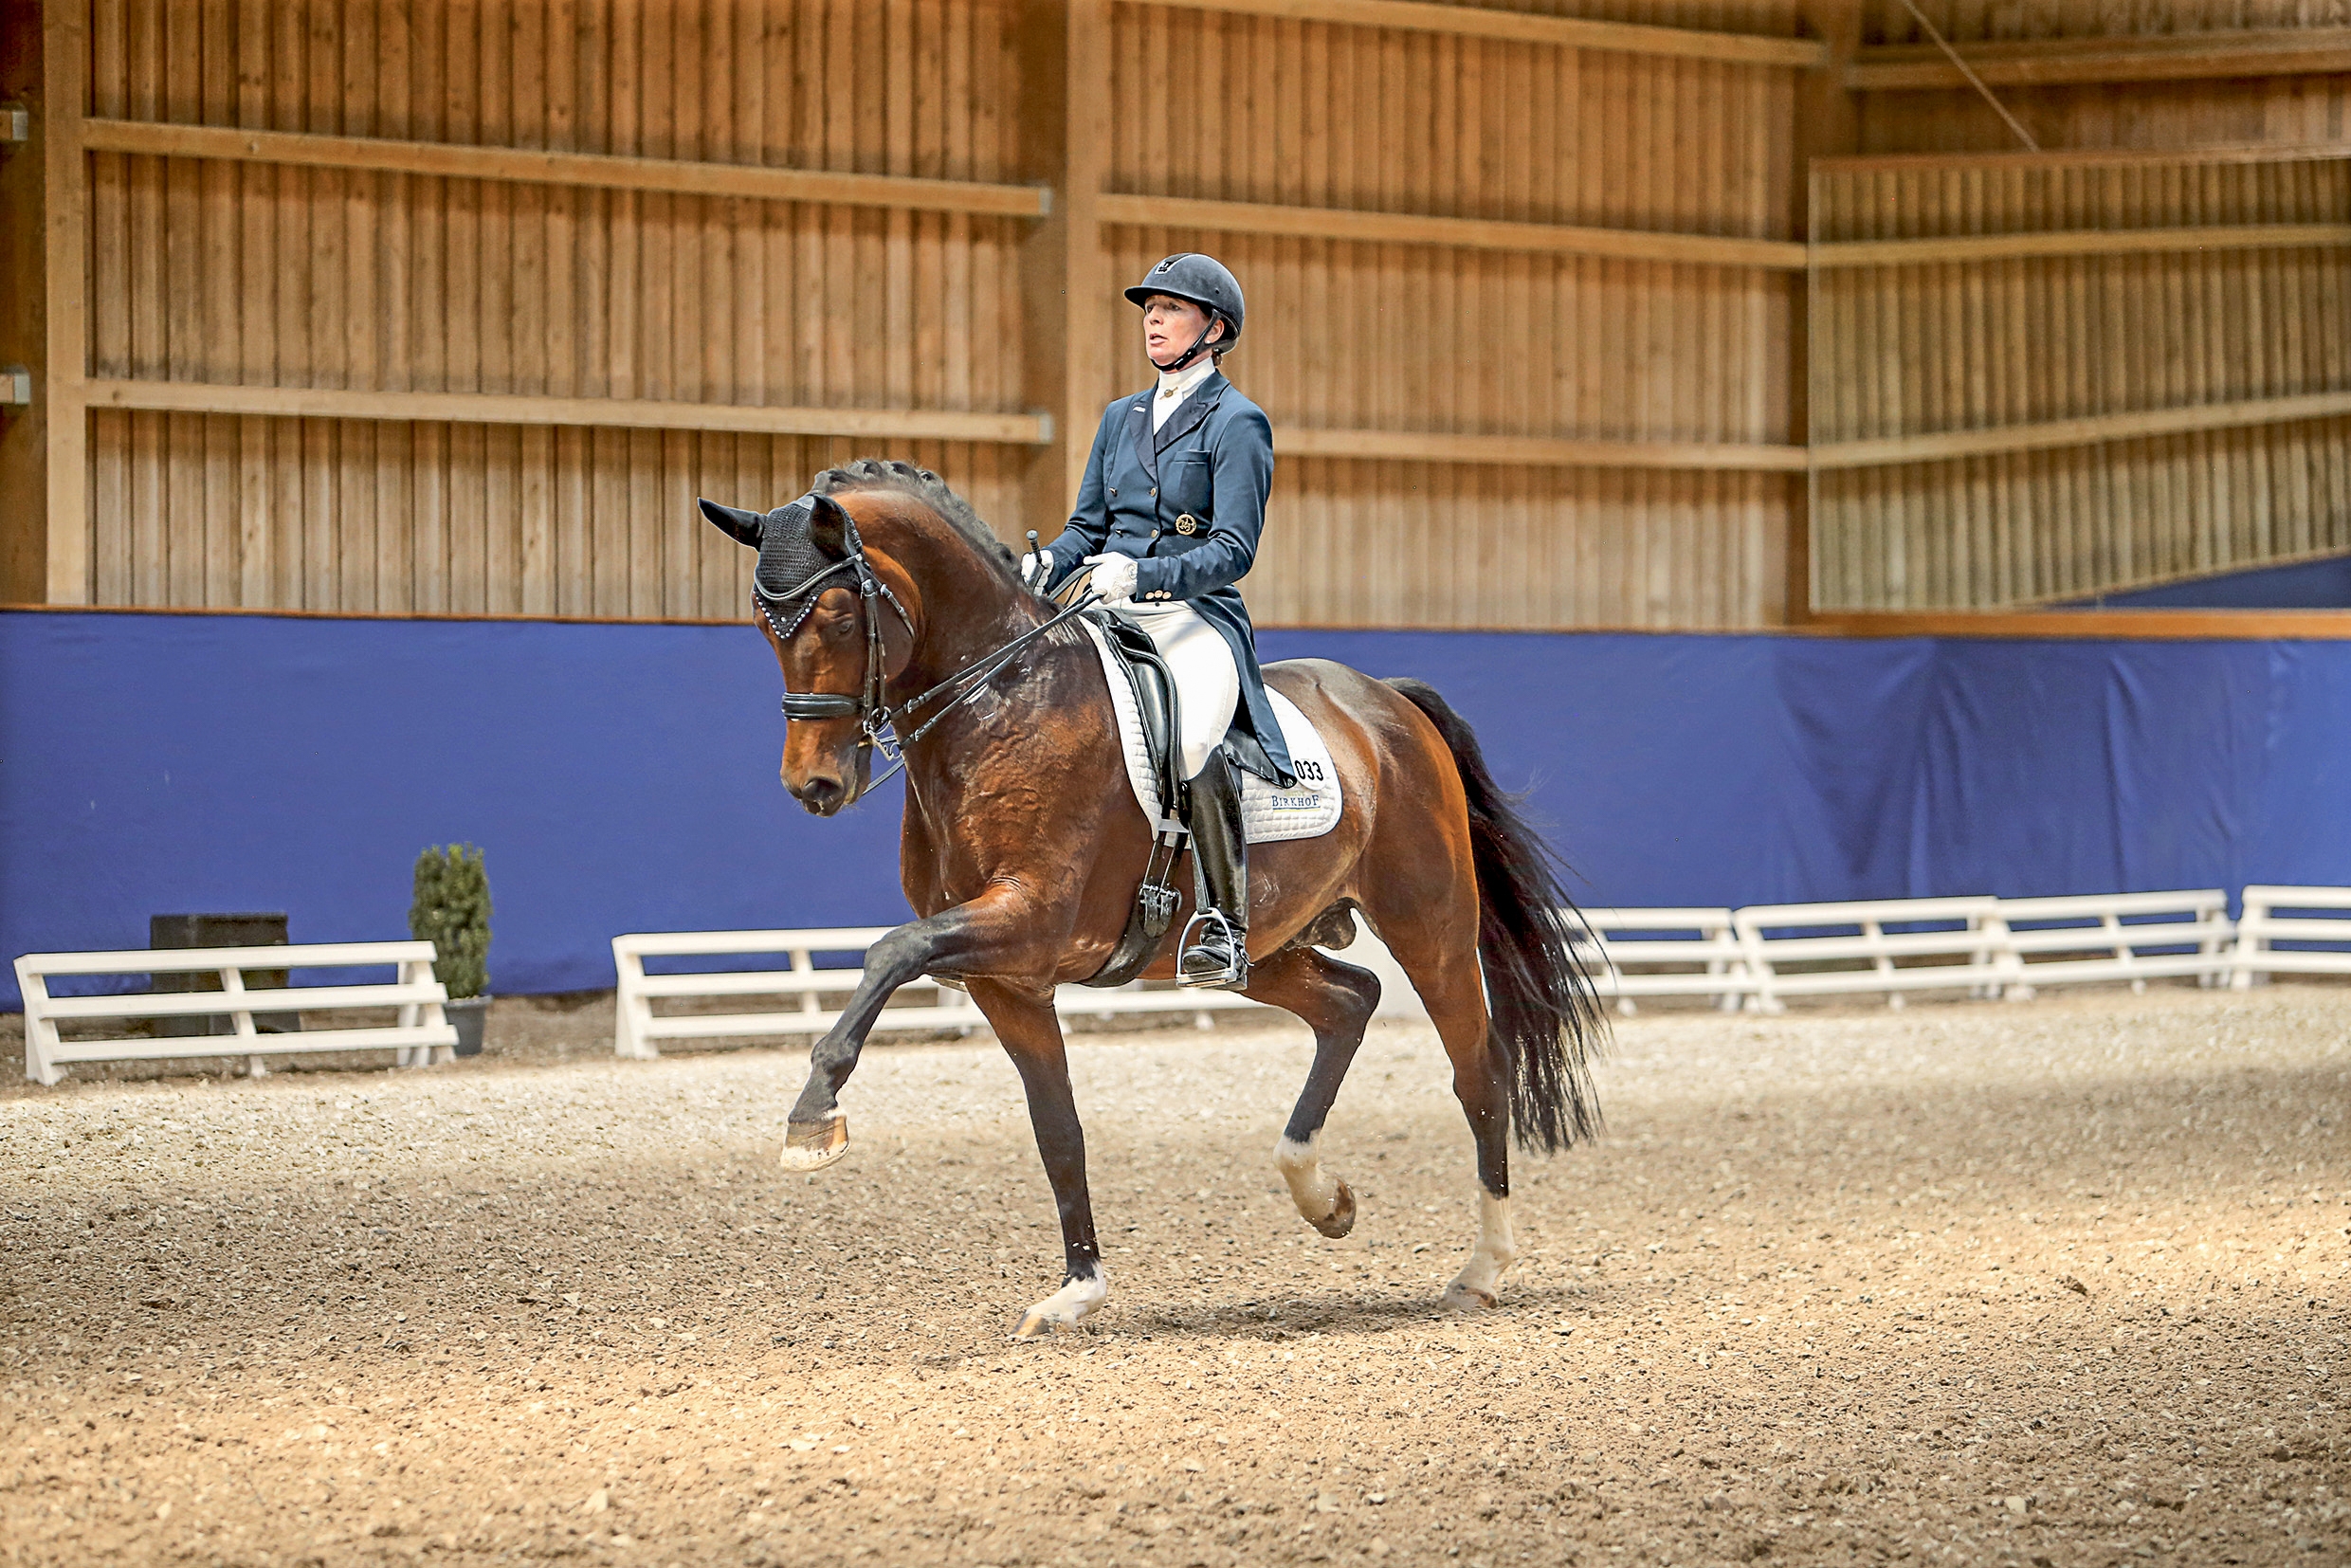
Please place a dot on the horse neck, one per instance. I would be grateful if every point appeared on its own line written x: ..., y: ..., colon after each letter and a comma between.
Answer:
x: 967, y: 608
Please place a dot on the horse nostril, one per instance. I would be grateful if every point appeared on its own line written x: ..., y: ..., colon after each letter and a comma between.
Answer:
x: 821, y: 796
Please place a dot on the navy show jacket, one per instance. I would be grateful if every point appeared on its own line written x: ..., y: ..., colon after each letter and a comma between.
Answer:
x: 1188, y: 501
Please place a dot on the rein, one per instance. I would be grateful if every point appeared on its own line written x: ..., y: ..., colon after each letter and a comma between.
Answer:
x: 877, y: 721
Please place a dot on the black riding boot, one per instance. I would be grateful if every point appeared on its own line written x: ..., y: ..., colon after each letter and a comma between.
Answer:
x: 1216, y: 946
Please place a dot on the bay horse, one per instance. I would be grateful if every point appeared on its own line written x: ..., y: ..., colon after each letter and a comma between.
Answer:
x: 1023, y: 848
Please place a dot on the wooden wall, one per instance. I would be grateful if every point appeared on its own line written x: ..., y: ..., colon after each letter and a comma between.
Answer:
x: 2131, y: 104
x: 332, y: 366
x: 219, y: 272
x: 2148, y: 413
x: 1418, y: 339
x: 2135, y: 415
x: 451, y: 306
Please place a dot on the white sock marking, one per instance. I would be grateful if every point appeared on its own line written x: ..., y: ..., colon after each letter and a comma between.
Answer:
x: 1479, y: 1283
x: 1313, y: 1189
x: 1067, y: 1306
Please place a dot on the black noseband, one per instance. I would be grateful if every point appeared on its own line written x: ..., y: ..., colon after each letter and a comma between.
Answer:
x: 819, y: 704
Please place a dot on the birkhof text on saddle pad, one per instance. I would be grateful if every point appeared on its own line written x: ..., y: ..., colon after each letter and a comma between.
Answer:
x: 1268, y: 814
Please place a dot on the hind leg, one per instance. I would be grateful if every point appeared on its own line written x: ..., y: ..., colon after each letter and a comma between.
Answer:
x: 1447, y: 975
x: 1336, y: 1000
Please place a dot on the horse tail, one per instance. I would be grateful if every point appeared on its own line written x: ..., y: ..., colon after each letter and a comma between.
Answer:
x: 1546, y: 1019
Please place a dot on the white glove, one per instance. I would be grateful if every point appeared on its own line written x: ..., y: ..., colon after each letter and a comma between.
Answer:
x: 1114, y: 577
x: 1035, y: 567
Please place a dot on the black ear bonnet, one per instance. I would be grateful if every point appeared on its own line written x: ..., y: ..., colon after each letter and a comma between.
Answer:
x: 793, y: 572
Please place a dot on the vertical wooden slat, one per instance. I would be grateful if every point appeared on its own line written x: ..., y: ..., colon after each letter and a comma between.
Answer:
x: 500, y: 305
x: 107, y: 328
x: 214, y: 317
x: 466, y: 304
x: 259, y: 272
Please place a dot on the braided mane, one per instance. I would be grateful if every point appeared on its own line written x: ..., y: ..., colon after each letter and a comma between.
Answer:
x: 873, y: 473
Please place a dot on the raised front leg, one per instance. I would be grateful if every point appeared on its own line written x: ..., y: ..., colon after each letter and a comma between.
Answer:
x: 984, y: 934
x: 1031, y: 1036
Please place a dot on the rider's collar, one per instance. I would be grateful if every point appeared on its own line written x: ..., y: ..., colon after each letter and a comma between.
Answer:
x: 1179, y: 383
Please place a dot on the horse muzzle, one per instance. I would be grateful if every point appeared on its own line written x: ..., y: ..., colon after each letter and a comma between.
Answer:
x: 830, y: 785
x: 822, y: 797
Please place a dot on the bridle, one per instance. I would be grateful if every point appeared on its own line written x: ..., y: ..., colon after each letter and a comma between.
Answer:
x: 877, y: 721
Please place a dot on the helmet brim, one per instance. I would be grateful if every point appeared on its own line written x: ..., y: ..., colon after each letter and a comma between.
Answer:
x: 1141, y: 294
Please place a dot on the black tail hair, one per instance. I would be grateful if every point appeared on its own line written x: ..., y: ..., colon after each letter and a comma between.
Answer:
x: 1546, y: 1020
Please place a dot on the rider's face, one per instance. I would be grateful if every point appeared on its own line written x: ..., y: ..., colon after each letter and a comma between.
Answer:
x: 1170, y: 325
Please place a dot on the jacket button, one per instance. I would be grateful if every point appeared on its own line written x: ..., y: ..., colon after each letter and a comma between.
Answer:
x: 1155, y: 489
x: 1114, y: 489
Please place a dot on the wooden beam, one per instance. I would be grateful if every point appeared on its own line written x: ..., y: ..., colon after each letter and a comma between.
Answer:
x: 1943, y: 445
x: 1323, y: 223
x: 1535, y: 452
x: 527, y: 166
x: 1521, y: 28
x: 2217, y: 155
x: 284, y: 615
x: 2059, y: 61
x: 1827, y: 121
x: 2078, y: 242
x: 2166, y: 624
x: 2149, y: 625
x: 1026, y: 429
x: 65, y: 174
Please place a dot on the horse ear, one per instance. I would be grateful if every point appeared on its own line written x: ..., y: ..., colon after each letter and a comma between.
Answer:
x: 828, y: 527
x: 736, y: 524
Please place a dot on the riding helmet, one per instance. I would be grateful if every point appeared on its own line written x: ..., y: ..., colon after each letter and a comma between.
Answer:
x: 1205, y: 281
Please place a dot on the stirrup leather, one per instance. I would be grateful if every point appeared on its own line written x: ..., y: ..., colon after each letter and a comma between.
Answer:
x: 1235, y: 971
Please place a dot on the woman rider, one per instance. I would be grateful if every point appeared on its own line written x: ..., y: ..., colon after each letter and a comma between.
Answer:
x: 1168, y: 516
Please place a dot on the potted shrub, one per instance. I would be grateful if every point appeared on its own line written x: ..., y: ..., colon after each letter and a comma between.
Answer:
x: 452, y: 911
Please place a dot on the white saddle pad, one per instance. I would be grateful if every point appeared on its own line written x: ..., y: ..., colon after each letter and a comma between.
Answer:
x: 1268, y: 814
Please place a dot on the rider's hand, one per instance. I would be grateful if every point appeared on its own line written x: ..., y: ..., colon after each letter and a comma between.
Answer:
x: 1035, y: 568
x: 1114, y: 577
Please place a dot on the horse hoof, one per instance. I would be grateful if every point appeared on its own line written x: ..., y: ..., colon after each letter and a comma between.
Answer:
x: 1341, y: 1218
x: 1064, y: 1307
x: 1469, y: 1298
x: 814, y: 1145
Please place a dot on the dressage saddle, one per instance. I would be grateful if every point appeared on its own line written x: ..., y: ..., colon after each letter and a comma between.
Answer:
x: 1156, y: 703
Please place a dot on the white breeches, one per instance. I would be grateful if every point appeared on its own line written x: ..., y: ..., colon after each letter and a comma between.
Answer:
x: 1208, y: 684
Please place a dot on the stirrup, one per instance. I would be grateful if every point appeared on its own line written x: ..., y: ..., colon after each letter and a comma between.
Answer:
x: 1233, y: 975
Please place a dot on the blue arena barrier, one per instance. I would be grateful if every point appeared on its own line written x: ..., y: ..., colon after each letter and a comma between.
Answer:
x: 622, y: 778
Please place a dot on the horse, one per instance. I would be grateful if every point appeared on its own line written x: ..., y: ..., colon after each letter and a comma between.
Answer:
x: 883, y: 594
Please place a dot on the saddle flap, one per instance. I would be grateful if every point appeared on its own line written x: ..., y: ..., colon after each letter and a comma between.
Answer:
x: 1156, y: 700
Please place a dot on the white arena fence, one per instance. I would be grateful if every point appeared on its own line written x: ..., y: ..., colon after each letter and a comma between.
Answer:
x: 2133, y: 937
x: 419, y: 1027
x: 817, y: 993
x: 1984, y: 947
x: 2313, y: 923
x: 1892, y: 946
x: 1755, y: 957
x: 1669, y: 952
